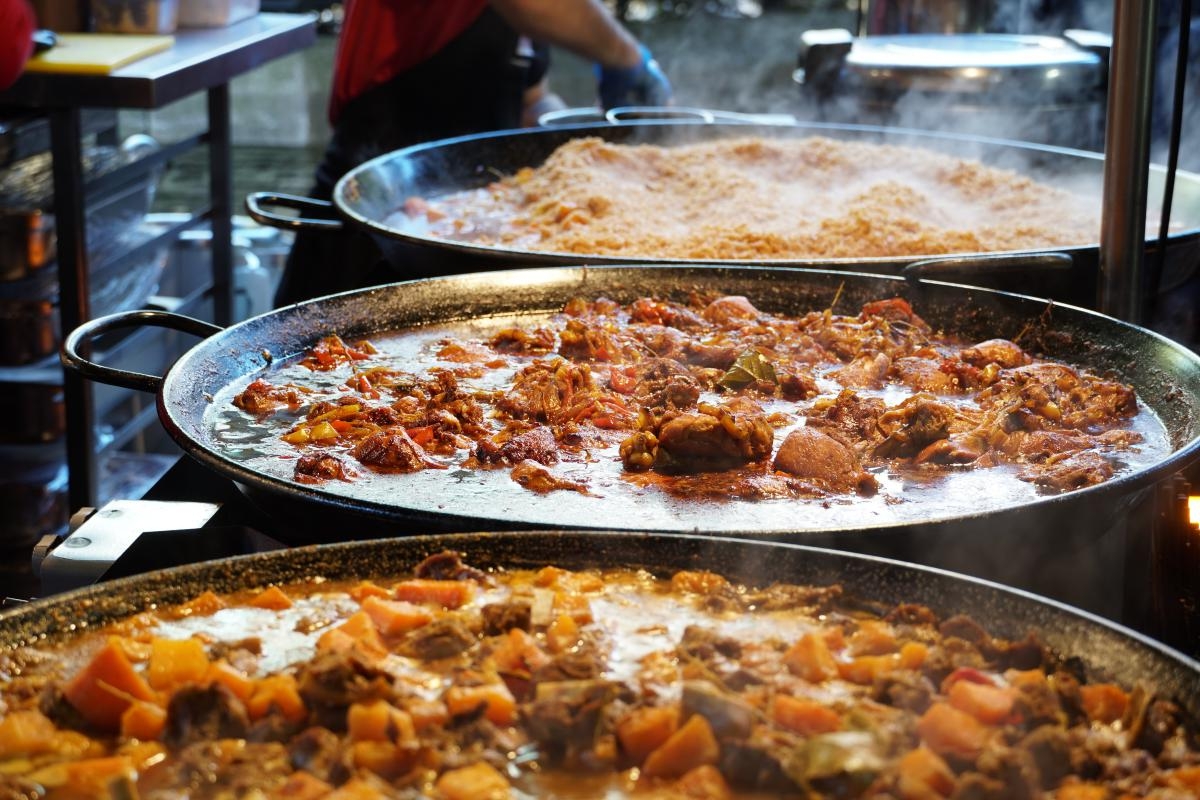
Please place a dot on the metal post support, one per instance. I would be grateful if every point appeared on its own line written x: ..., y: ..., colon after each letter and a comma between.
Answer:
x: 220, y: 176
x: 74, y: 300
x: 1127, y: 161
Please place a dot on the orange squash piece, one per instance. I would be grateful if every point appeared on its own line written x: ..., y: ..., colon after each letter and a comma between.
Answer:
x: 273, y: 598
x: 234, y: 680
x: 1103, y: 702
x: 279, y: 691
x: 26, y: 733
x: 202, y: 605
x: 991, y: 705
x: 923, y: 775
x: 302, y: 785
x: 176, y: 662
x: 810, y: 659
x: 144, y: 721
x: 103, y: 689
x: 693, y: 745
x: 379, y: 721
x: 806, y: 717
x: 476, y: 782
x: 950, y: 732
x: 395, y: 617
x: 447, y: 594
x: 643, y: 730
x: 501, y: 706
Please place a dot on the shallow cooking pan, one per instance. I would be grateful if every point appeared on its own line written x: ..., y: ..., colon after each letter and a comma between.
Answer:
x: 1063, y: 545
x: 1108, y: 651
x: 369, y: 197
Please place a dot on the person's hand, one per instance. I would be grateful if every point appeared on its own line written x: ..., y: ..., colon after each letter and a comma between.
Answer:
x: 643, y: 85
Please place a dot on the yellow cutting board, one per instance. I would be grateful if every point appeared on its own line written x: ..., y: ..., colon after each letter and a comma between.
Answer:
x: 96, y: 53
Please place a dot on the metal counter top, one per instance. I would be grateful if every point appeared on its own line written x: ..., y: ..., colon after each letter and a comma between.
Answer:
x: 199, y: 59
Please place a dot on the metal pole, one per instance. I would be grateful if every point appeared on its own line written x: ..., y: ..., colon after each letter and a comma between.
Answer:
x: 1127, y: 161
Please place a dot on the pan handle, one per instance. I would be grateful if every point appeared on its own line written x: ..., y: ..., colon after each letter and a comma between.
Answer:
x: 80, y: 338
x: 969, y: 268
x: 659, y: 113
x: 322, y: 209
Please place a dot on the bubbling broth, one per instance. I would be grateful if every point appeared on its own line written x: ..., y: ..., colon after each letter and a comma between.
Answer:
x: 454, y: 683
x: 654, y: 414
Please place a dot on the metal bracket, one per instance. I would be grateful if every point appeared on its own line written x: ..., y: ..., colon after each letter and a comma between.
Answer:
x: 100, y: 537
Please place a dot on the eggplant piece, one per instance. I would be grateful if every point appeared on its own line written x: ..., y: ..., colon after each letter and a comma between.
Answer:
x: 728, y: 715
x: 842, y: 763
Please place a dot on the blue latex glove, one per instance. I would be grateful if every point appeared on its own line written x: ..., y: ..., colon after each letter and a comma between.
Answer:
x: 643, y: 85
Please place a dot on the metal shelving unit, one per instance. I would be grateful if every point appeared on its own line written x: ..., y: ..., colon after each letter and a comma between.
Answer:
x: 200, y: 61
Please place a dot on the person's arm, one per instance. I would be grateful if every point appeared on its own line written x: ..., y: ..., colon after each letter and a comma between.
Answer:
x: 626, y: 72
x: 585, y: 27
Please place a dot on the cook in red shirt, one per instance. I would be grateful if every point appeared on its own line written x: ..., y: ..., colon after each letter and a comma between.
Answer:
x: 410, y: 71
x: 16, y: 39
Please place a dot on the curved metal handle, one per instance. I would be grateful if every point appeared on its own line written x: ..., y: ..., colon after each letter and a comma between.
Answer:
x: 82, y: 336
x: 623, y: 113
x: 971, y: 268
x: 570, y: 116
x: 325, y: 221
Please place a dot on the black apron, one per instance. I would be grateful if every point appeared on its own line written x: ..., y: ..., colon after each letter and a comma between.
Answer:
x: 473, y: 84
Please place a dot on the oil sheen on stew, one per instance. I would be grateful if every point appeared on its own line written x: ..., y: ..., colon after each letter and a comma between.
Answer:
x: 457, y: 684
x: 710, y: 414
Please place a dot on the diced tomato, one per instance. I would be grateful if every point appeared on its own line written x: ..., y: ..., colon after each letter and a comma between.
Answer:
x: 422, y: 435
x: 622, y: 379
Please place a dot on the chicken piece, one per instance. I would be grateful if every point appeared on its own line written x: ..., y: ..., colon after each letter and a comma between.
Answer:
x: 855, y: 417
x: 864, y: 372
x: 995, y: 351
x: 536, y: 478
x: 813, y: 455
x: 262, y: 398
x: 731, y: 311
x: 924, y: 375
x: 712, y: 440
x: 911, y: 426
x: 1069, y: 471
x: 543, y: 390
x: 536, y: 444
x: 392, y: 451
x: 317, y: 468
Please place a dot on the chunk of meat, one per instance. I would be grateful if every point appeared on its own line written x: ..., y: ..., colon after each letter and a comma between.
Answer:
x: 924, y: 375
x: 579, y: 341
x: 262, y: 398
x: 321, y: 467
x: 536, y: 478
x: 539, y: 341
x: 730, y: 311
x: 864, y: 372
x: 441, y: 638
x: 995, y: 351
x: 912, y: 425
x: 392, y: 450
x: 666, y: 384
x: 564, y: 717
x: 854, y: 416
x: 712, y: 440
x: 545, y: 389
x: 197, y: 714
x: 536, y: 444
x: 332, y: 682
x: 811, y: 454
x: 1072, y: 471
x: 448, y: 566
